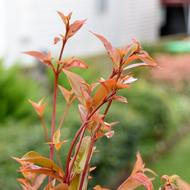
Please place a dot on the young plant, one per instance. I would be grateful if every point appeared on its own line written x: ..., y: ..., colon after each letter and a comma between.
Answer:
x: 94, y: 102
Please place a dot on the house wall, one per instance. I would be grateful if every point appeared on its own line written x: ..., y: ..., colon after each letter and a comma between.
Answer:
x: 32, y: 24
x: 2, y: 28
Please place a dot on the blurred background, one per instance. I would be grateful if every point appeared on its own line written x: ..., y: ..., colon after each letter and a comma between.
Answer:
x: 155, y: 121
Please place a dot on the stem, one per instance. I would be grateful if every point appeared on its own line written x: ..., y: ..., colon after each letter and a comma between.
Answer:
x: 86, y: 167
x: 79, y: 132
x: 62, y: 49
x: 63, y: 46
x: 91, y: 147
x: 76, y: 153
x: 59, y: 159
x: 64, y: 115
x: 84, y: 173
x: 44, y: 128
x: 53, y: 115
x: 56, y: 74
x: 71, y: 150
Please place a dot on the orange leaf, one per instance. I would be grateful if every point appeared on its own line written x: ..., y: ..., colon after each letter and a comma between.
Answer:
x: 42, y: 57
x: 146, y: 58
x: 139, y: 164
x: 39, y: 107
x: 133, y: 48
x: 74, y: 27
x: 46, y: 171
x: 66, y: 93
x: 56, y: 139
x: 98, y: 187
x: 73, y: 62
x: 182, y: 185
x: 38, y: 159
x: 135, y: 181
x: 137, y: 177
x: 103, y: 91
x: 32, y: 184
x: 78, y: 85
x: 25, y: 184
x: 64, y: 18
x: 112, y: 52
x: 38, y: 181
x: 61, y: 186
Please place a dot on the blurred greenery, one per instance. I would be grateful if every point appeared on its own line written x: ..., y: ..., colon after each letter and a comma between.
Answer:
x: 176, y: 161
x: 16, y: 88
x: 153, y: 113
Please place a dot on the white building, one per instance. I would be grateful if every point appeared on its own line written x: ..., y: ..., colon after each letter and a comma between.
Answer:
x: 32, y: 24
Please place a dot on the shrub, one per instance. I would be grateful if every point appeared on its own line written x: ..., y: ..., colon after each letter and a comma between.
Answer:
x: 95, y: 100
x: 15, y: 89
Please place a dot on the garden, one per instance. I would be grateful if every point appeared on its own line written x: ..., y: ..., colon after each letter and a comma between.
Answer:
x: 150, y: 116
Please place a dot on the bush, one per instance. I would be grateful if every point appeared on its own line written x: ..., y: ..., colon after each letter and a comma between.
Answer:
x: 151, y: 116
x: 15, y: 90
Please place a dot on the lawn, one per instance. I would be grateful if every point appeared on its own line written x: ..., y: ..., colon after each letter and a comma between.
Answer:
x: 176, y: 161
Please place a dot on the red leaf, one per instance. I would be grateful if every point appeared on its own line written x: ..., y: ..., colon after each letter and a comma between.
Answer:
x: 133, y: 48
x: 112, y: 52
x: 42, y: 57
x: 64, y: 18
x: 74, y: 27
x: 83, y: 112
x: 56, y: 40
x: 137, y: 177
x: 73, y: 62
x: 146, y: 58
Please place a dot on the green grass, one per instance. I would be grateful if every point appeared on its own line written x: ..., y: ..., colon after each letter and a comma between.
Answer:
x: 176, y: 161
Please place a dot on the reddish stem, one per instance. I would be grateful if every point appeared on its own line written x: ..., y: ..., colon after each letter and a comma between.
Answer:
x: 93, y: 139
x: 56, y: 77
x: 44, y: 128
x: 64, y: 115
x: 86, y: 167
x: 79, y: 132
x: 53, y: 115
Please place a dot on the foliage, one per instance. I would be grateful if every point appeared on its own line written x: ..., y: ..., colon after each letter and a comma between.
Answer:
x: 95, y: 100
x: 14, y: 93
x: 112, y: 154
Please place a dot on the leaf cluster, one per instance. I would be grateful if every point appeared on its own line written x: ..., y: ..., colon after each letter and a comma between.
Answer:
x: 94, y: 101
